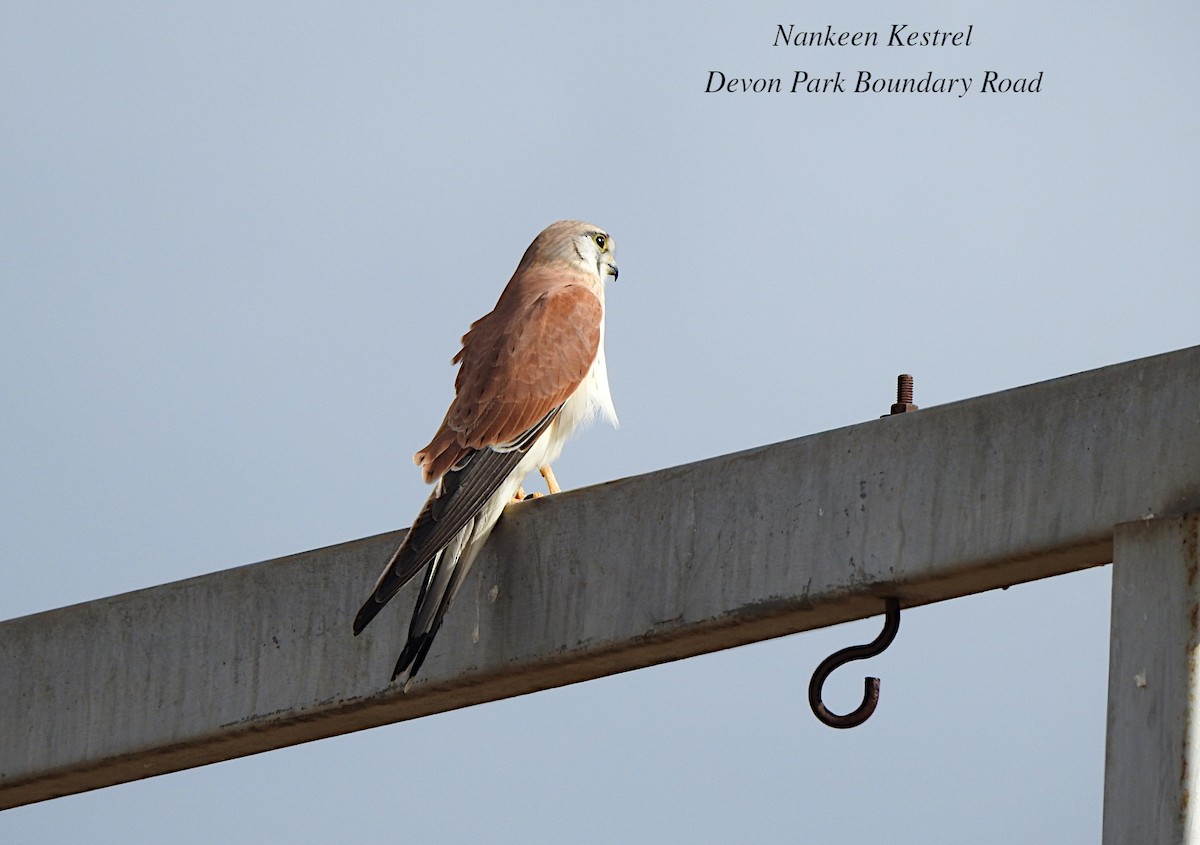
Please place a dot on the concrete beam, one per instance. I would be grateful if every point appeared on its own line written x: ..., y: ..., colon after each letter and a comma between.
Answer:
x: 1152, y: 766
x: 928, y: 506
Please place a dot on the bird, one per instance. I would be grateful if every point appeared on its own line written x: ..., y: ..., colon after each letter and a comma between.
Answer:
x: 530, y: 372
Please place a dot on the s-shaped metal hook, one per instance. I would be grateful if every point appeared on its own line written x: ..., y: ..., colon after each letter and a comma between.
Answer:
x: 870, y: 685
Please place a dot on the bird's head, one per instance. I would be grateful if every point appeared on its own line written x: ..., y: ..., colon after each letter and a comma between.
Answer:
x: 579, y: 243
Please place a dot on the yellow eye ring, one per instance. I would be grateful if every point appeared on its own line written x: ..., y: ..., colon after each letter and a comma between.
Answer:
x: 601, y: 241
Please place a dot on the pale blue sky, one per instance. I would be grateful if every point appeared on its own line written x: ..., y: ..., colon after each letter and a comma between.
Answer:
x: 240, y: 244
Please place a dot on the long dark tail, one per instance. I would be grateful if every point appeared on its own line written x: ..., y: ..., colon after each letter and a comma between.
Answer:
x: 459, y: 495
x: 445, y: 538
x: 442, y: 580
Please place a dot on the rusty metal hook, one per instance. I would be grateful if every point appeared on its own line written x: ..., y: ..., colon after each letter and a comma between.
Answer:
x: 870, y: 685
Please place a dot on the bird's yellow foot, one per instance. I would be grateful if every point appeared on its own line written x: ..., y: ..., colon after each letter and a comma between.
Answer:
x: 551, y: 481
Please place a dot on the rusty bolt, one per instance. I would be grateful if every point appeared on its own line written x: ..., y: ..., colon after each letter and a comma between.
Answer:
x: 904, y: 395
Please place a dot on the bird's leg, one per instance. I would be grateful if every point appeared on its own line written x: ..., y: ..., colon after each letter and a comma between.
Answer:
x: 551, y: 481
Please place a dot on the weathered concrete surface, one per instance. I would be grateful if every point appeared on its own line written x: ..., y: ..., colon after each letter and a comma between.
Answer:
x: 1152, y: 765
x: 928, y: 506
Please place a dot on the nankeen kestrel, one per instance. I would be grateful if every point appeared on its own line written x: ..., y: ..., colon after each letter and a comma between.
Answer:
x: 530, y: 373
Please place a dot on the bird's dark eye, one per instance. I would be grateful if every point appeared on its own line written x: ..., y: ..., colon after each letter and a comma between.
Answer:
x: 601, y: 241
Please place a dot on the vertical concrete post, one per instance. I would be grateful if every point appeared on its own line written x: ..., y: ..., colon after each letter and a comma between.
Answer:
x: 1152, y: 768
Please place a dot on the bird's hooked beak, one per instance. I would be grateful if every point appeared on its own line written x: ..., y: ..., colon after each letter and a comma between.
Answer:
x: 608, y: 268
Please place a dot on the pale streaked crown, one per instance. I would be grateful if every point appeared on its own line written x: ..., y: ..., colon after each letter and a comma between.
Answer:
x: 574, y: 242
